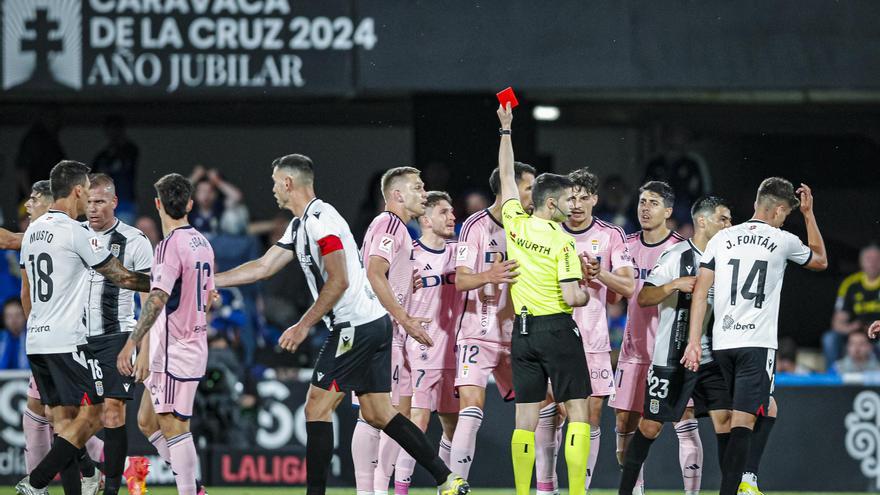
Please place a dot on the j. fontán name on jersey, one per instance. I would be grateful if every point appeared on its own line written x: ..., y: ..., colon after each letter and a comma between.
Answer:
x: 755, y: 240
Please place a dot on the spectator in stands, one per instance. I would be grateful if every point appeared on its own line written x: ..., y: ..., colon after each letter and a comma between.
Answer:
x: 40, y: 149
x: 372, y: 204
x: 13, y: 355
x: 218, y: 206
x: 786, y: 358
x: 615, y: 203
x: 858, y: 303
x: 148, y: 226
x: 119, y: 160
x: 474, y: 201
x: 859, y: 355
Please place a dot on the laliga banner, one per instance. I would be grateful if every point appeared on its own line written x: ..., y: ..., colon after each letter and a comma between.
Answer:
x: 169, y: 47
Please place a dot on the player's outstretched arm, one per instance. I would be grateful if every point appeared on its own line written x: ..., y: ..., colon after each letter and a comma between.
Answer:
x: 149, y: 312
x: 261, y: 268
x: 652, y: 295
x: 505, y: 156
x: 10, y: 240
x: 499, y: 272
x: 819, y: 259
x: 621, y: 281
x: 331, y: 293
x: 699, y: 305
x: 114, y: 271
x: 25, y: 295
x: 376, y: 270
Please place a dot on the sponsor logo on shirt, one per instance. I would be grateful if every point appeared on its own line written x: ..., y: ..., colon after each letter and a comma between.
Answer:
x: 386, y: 244
x: 730, y: 324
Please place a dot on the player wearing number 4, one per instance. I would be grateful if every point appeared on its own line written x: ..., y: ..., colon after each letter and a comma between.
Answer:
x: 745, y: 265
x: 56, y: 254
x: 670, y: 386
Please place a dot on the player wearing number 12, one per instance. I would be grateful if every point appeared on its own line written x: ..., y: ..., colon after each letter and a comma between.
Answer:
x: 745, y: 265
x: 56, y: 254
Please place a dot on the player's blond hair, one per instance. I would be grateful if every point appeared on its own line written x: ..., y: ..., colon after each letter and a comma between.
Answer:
x: 390, y: 177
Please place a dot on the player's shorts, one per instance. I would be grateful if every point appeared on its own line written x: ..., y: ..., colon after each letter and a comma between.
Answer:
x: 672, y: 389
x: 106, y: 348
x: 434, y: 390
x: 552, y: 349
x: 33, y: 392
x: 68, y: 379
x: 629, y: 391
x: 170, y: 395
x: 601, y: 373
x: 401, y: 379
x: 477, y: 359
x: 356, y: 359
x: 749, y: 373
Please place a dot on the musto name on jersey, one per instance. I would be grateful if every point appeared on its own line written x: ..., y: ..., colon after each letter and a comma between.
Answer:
x: 752, y: 240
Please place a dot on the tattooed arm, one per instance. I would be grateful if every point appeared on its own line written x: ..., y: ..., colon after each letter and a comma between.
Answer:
x: 154, y: 304
x: 113, y: 271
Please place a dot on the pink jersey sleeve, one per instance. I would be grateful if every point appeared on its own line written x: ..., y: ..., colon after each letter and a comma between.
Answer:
x: 166, y: 268
x: 468, y: 248
x: 619, y: 252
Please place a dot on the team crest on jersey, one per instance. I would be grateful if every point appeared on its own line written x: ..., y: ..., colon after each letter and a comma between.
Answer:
x: 114, y: 250
x: 594, y: 246
x: 655, y: 406
x: 465, y: 370
x: 461, y: 253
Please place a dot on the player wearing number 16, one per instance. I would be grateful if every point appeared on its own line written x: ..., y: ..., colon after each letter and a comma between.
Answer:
x: 745, y: 265
x: 56, y: 255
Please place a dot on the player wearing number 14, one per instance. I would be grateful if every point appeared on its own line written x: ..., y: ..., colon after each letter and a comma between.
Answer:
x: 745, y: 265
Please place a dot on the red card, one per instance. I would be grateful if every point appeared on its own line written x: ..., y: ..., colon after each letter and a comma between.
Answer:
x: 506, y: 95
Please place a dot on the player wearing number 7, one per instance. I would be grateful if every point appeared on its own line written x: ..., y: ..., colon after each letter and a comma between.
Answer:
x: 745, y: 265
x: 182, y: 281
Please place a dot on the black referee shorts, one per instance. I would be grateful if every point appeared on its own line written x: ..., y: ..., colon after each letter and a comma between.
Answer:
x: 356, y: 359
x: 551, y: 349
x: 68, y: 378
x: 749, y: 373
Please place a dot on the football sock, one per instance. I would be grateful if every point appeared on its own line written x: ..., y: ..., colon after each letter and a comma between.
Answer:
x: 365, y: 455
x: 86, y: 464
x: 403, y: 470
x: 388, y: 452
x: 690, y: 453
x: 95, y: 446
x: 115, y: 451
x: 735, y: 458
x: 623, y: 440
x: 445, y: 449
x: 319, y: 453
x: 722, y: 438
x: 636, y: 453
x: 522, y: 450
x: 413, y: 440
x: 37, y: 438
x: 545, y: 449
x: 158, y: 441
x: 70, y: 478
x: 185, y: 463
x: 62, y: 455
x: 760, y: 435
x: 464, y: 440
x: 595, y: 436
x: 577, y: 451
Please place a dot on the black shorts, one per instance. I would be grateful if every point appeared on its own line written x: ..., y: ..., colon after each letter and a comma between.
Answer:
x: 67, y: 379
x: 670, y: 388
x: 749, y: 373
x: 106, y: 348
x: 356, y: 359
x: 551, y: 349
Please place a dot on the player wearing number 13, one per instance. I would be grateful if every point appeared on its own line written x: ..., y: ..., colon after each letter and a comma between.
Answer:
x: 56, y: 255
x: 745, y: 265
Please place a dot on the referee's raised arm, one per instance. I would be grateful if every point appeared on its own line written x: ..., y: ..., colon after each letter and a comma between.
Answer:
x: 505, y: 156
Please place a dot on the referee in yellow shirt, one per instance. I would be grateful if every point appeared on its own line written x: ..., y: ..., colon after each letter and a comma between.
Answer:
x: 546, y: 341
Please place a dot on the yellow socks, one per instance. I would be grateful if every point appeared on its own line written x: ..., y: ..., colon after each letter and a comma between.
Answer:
x: 522, y: 451
x: 577, y: 452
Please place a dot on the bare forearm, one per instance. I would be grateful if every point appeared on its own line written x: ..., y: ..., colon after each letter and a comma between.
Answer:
x: 468, y: 281
x: 330, y: 294
x: 622, y: 283
x: 150, y: 311
x: 699, y: 304
x: 505, y: 168
x: 815, y: 241
x: 122, y: 277
x: 652, y: 296
x: 10, y: 240
x: 247, y: 273
x: 382, y: 289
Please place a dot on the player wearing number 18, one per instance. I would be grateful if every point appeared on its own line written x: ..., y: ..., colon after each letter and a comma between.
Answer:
x: 56, y: 255
x: 745, y: 265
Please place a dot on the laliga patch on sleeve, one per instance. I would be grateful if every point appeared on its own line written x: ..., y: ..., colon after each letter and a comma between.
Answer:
x: 386, y: 244
x: 95, y: 243
x: 461, y: 253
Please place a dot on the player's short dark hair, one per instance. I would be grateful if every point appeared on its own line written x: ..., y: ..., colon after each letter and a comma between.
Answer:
x: 661, y: 189
x: 706, y: 205
x: 435, y: 197
x: 43, y: 188
x: 777, y: 190
x: 101, y: 180
x: 585, y: 180
x: 519, y: 168
x: 174, y: 192
x: 393, y: 173
x: 300, y: 164
x: 66, y: 175
x: 549, y: 186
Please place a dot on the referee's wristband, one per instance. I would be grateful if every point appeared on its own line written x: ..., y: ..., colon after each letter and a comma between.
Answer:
x: 504, y: 132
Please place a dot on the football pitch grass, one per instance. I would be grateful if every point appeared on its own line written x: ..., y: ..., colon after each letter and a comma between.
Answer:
x: 426, y: 491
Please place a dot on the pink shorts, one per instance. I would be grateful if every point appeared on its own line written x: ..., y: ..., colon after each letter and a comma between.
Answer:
x: 434, y: 390
x: 33, y: 392
x: 401, y: 383
x: 169, y: 395
x: 630, y: 381
x: 478, y: 359
x: 601, y: 374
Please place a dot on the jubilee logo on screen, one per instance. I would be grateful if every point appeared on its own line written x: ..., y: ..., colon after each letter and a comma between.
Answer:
x: 175, y: 45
